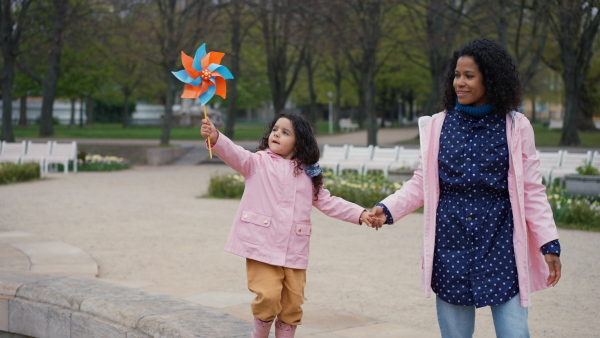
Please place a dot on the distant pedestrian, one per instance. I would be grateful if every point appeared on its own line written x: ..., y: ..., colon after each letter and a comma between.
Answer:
x: 272, y: 227
x: 489, y: 234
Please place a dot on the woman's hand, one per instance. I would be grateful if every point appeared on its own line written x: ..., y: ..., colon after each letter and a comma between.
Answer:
x: 378, y: 217
x: 554, y: 266
x: 208, y: 130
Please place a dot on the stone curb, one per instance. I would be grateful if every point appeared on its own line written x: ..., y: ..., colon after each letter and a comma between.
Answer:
x: 41, y: 305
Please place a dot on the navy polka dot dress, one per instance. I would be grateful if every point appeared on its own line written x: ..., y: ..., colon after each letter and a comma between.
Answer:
x: 474, y: 261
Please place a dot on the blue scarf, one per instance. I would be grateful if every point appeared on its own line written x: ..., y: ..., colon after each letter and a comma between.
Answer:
x: 480, y: 111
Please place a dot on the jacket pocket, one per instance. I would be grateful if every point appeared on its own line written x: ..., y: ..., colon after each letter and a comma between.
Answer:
x: 254, y: 227
x: 301, y: 242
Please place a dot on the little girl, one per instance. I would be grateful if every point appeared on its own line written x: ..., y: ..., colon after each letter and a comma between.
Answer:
x: 272, y: 227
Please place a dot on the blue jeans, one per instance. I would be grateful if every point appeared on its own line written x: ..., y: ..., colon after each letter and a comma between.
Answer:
x: 456, y: 321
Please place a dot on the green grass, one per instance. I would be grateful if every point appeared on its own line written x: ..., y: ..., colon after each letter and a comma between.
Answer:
x: 243, y: 132
x: 545, y: 137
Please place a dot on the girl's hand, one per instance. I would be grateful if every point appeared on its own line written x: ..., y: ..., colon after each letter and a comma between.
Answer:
x: 554, y: 266
x: 208, y: 130
x: 364, y: 217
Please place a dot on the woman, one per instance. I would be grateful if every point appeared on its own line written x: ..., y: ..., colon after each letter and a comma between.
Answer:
x: 490, y: 237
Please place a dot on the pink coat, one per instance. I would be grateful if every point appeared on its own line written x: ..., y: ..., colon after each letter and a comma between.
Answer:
x: 272, y: 224
x: 533, y: 221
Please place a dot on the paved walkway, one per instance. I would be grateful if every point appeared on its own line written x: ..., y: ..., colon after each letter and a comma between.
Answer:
x: 148, y: 228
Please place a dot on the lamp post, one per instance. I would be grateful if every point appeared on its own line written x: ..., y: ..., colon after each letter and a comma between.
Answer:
x: 330, y: 97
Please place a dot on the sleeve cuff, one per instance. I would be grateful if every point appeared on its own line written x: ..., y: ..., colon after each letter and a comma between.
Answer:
x: 551, y: 247
x: 212, y: 144
x: 388, y: 215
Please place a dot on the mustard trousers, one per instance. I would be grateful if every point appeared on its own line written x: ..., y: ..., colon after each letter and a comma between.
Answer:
x: 279, y: 291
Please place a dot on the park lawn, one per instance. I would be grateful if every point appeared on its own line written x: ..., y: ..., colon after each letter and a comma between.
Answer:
x: 243, y: 132
x: 545, y: 137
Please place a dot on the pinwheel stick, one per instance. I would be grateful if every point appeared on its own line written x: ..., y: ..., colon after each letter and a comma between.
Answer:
x: 209, y: 146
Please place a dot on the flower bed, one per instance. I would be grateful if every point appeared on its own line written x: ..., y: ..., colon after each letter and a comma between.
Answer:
x: 94, y: 162
x: 574, y: 212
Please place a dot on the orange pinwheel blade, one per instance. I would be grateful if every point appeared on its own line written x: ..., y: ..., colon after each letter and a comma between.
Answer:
x: 187, y: 62
x: 212, y: 57
x: 192, y: 92
x: 221, y: 87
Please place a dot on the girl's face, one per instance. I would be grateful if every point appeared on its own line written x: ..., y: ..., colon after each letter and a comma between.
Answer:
x: 468, y: 83
x: 283, y: 138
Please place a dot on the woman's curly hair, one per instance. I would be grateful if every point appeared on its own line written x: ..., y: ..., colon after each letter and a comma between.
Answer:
x: 306, y: 149
x: 500, y: 75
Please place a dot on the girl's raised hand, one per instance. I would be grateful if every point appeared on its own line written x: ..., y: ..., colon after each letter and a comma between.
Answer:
x: 208, y: 130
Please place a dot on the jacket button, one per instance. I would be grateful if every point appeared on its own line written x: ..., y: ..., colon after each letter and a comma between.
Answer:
x: 468, y: 159
x: 299, y: 230
x: 469, y: 218
x: 266, y: 222
x: 245, y: 216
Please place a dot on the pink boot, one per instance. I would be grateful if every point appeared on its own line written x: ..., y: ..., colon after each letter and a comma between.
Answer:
x: 283, y: 330
x: 261, y: 329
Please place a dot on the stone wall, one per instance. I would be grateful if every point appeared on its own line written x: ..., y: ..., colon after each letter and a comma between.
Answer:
x: 40, y: 305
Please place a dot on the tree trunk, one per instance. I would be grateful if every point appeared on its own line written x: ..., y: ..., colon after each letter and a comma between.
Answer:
x: 125, y: 115
x: 126, y: 111
x: 572, y: 82
x: 53, y: 71
x: 168, y: 118
x: 8, y: 76
x: 89, y: 110
x: 585, y: 118
x: 236, y: 47
x: 23, y: 111
x: 533, y: 109
x: 72, y: 120
x: 502, y: 23
x: 312, y: 107
x: 81, y: 104
x: 10, y: 35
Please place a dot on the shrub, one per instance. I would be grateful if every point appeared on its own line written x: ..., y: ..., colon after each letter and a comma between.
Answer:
x: 226, y: 186
x: 12, y: 173
x: 362, y: 190
x: 587, y: 169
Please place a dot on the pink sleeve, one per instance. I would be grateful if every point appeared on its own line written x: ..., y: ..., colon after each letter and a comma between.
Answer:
x: 538, y: 214
x: 239, y: 159
x: 337, y: 207
x: 408, y: 198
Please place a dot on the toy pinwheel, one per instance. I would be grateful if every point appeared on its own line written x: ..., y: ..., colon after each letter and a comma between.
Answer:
x: 204, y: 77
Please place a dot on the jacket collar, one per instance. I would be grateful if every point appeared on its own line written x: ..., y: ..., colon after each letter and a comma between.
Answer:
x: 273, y: 155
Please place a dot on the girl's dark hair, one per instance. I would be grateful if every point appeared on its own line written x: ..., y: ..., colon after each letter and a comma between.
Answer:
x: 500, y: 75
x: 306, y: 149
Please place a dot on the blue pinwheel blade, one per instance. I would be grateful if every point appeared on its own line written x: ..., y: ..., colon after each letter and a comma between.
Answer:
x: 225, y: 73
x: 200, y: 53
x: 207, y: 95
x: 183, y: 76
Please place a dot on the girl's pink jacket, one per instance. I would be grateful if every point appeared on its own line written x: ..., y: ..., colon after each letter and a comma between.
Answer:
x: 533, y: 221
x: 272, y: 224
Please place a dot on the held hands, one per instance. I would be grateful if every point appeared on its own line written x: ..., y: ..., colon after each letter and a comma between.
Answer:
x: 373, y: 222
x: 378, y: 217
x: 208, y: 130
x: 554, y: 266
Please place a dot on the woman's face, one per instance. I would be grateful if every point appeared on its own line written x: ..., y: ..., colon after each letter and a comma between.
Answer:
x: 468, y: 83
x: 283, y: 138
